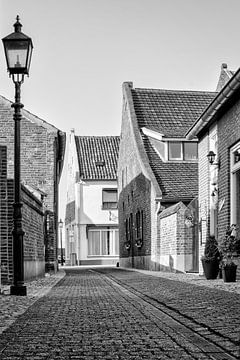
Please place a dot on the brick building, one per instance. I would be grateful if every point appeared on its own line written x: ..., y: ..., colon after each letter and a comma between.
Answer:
x: 42, y: 154
x: 157, y: 178
x: 218, y: 130
x: 33, y: 225
x: 91, y: 221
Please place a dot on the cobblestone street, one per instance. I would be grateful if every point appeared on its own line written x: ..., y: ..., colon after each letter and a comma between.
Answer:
x: 113, y: 313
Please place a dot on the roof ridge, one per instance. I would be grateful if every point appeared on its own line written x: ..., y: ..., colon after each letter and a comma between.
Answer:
x: 176, y: 91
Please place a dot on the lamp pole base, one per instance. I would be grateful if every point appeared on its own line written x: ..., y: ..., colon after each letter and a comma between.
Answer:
x: 18, y: 290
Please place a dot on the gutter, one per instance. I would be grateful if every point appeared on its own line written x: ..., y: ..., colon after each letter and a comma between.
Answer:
x: 211, y: 111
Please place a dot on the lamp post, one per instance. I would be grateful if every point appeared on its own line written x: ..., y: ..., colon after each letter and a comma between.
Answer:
x: 61, y: 227
x: 18, y: 50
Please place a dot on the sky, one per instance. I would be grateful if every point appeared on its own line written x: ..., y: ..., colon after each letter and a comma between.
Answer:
x: 85, y: 49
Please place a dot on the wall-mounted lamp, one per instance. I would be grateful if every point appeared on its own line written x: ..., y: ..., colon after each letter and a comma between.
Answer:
x: 211, y: 158
x: 236, y: 156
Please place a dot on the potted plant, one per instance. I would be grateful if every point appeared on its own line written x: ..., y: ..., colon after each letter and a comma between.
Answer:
x: 211, y: 258
x: 229, y: 247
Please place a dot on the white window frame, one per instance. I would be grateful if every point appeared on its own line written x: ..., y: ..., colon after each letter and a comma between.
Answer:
x: 182, y: 155
x: 113, y: 202
x: 112, y: 242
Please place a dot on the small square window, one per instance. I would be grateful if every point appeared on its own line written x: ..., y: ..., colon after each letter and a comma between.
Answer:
x: 109, y: 199
x: 190, y: 151
x: 175, y: 151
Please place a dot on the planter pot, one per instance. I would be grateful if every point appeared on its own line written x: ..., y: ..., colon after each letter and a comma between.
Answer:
x: 210, y: 268
x: 229, y: 273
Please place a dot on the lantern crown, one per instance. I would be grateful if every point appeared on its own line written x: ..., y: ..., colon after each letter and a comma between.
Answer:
x: 18, y: 50
x: 17, y: 25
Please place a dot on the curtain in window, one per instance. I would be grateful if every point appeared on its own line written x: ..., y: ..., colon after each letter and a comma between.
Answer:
x: 109, y: 197
x: 94, y: 243
x: 116, y: 242
x: 105, y: 243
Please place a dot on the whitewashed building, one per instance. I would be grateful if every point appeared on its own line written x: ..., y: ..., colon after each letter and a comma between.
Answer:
x: 91, y: 221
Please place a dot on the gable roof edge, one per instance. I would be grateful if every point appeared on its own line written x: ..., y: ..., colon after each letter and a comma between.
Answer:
x: 213, y: 109
x: 141, y: 153
x: 32, y: 117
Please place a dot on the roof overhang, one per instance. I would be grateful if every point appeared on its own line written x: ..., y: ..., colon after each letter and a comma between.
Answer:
x: 211, y: 112
x: 154, y: 134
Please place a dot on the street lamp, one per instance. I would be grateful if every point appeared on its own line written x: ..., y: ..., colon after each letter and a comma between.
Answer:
x: 18, y: 50
x: 61, y: 227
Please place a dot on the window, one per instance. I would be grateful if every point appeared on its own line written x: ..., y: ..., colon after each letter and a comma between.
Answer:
x: 139, y: 225
x: 109, y: 199
x: 127, y: 229
x: 190, y: 151
x: 103, y: 242
x: 94, y: 243
x: 175, y: 151
x: 178, y: 150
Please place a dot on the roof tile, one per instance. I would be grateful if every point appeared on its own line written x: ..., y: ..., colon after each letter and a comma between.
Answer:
x: 97, y: 157
x: 170, y: 112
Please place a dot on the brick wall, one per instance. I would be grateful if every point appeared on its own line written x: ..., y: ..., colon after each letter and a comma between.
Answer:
x: 136, y: 185
x: 228, y: 135
x: 38, y: 155
x: 176, y: 239
x: 5, y: 220
x: 32, y: 215
x: 37, y: 152
x: 50, y: 241
x: 33, y: 222
x: 135, y: 197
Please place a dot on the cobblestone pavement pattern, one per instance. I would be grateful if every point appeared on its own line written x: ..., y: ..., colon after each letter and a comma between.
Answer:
x: 87, y: 316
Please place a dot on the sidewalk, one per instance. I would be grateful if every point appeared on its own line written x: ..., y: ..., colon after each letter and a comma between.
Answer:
x: 13, y: 306
x: 195, y: 279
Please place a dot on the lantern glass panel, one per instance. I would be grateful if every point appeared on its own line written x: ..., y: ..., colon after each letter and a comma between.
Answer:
x: 29, y: 57
x: 17, y: 54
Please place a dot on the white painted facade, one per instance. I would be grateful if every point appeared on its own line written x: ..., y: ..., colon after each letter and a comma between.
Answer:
x: 91, y: 232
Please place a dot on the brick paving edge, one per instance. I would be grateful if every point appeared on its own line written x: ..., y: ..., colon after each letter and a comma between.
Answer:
x: 196, y: 279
